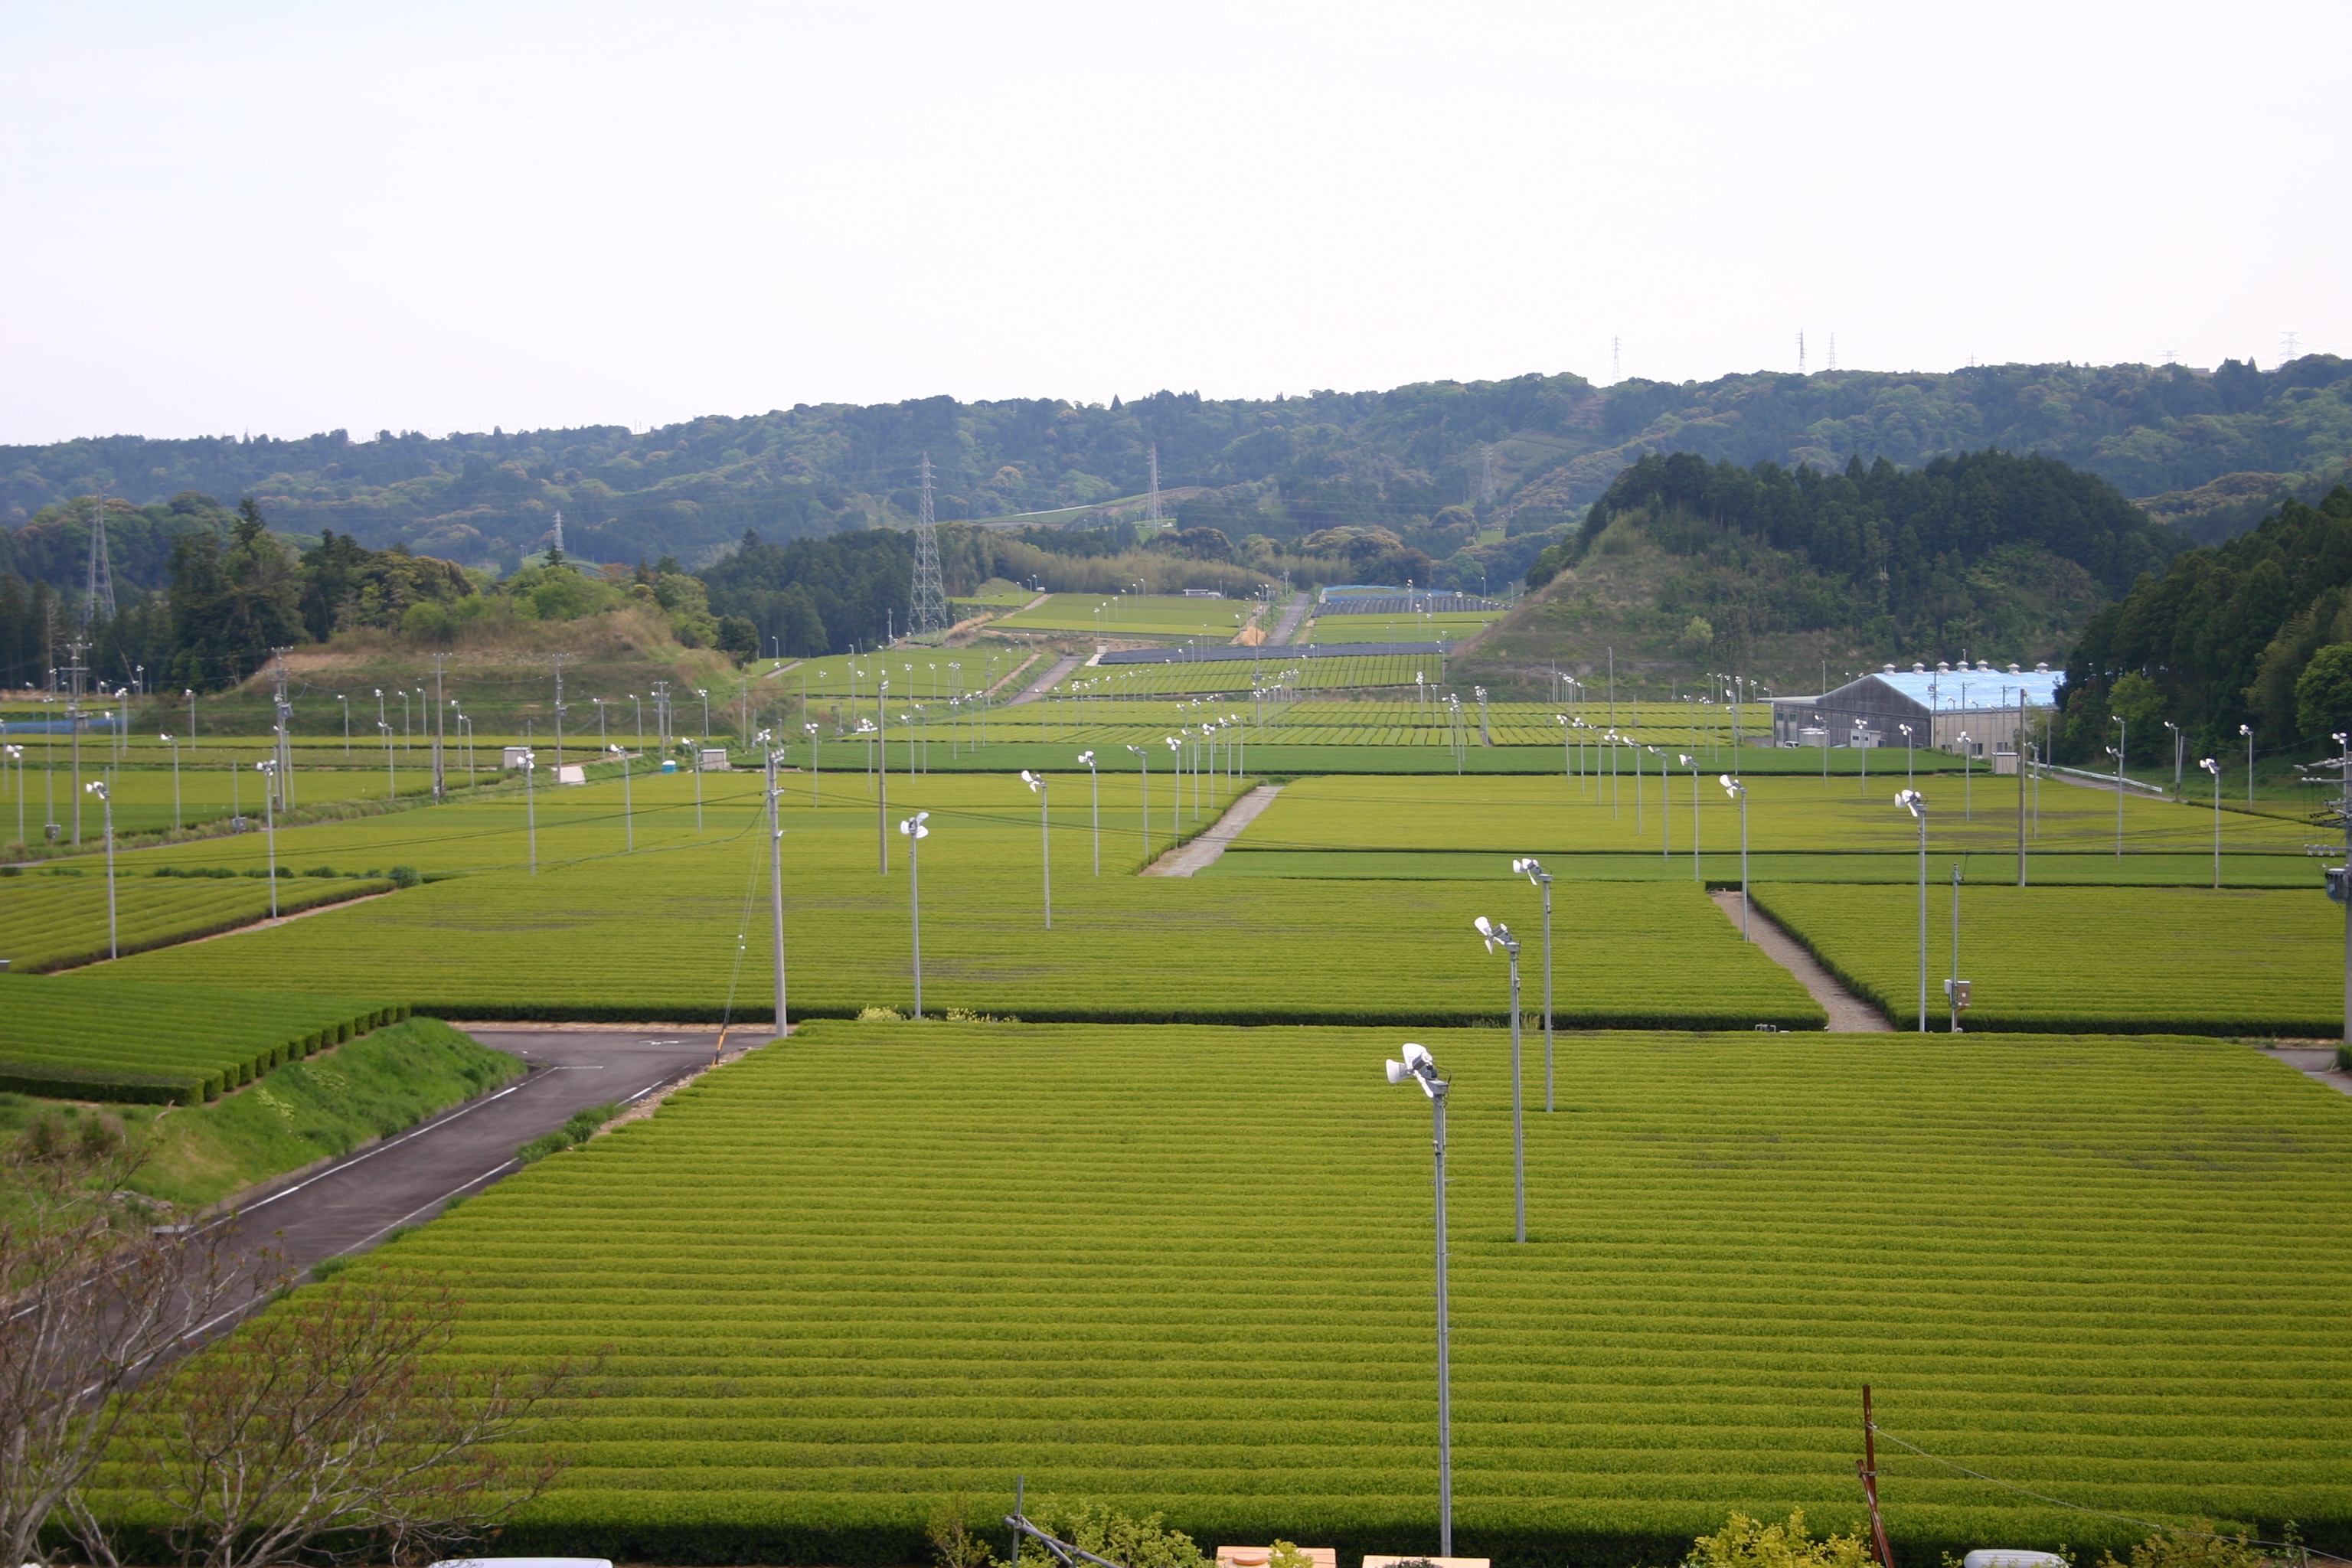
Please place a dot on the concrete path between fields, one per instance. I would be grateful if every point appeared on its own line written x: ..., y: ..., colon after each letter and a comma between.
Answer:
x: 1055, y: 675
x: 1849, y: 1014
x: 1204, y: 849
x: 1292, y: 614
x: 2314, y: 1061
x: 353, y: 1203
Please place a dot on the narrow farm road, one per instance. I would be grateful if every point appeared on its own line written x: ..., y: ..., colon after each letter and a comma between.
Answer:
x: 1849, y: 1014
x: 352, y: 1204
x: 1292, y: 614
x: 1204, y: 849
x: 1053, y: 676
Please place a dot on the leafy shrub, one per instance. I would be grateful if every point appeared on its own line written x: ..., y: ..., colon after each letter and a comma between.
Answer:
x: 880, y: 1016
x: 404, y: 877
x: 951, y: 1535
x: 1098, y: 1528
x: 1744, y: 1542
x: 2200, y: 1545
x: 323, y: 871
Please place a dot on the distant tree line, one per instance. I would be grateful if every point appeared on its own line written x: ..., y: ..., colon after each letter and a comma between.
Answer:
x: 2254, y: 631
x: 232, y: 595
x: 1919, y: 559
x: 1524, y: 454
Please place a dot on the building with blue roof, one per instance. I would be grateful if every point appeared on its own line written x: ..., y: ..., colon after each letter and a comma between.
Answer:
x: 1990, y: 706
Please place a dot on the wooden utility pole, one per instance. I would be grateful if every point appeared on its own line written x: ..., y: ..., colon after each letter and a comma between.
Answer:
x: 1867, y: 1467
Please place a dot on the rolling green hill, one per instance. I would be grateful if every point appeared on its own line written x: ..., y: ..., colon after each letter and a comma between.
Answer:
x: 1523, y: 454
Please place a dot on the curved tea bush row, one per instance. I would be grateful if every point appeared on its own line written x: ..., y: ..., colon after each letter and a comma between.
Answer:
x: 1188, y: 1269
x: 121, y: 1040
x: 52, y: 923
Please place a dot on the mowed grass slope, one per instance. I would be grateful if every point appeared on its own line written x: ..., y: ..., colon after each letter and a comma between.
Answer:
x: 598, y: 932
x: 1189, y: 1270
x: 2176, y: 960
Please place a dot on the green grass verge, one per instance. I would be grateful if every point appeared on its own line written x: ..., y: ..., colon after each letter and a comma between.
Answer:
x: 326, y: 1105
x: 1188, y: 1270
x: 322, y: 1106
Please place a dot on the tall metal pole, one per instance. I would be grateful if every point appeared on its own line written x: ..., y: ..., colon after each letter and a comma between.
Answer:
x: 915, y: 911
x: 1444, y: 1391
x: 1923, y: 919
x: 531, y: 809
x: 2123, y: 750
x: 1518, y: 1124
x: 2017, y: 746
x: 1547, y: 893
x: 269, y: 818
x: 776, y: 878
x: 1952, y: 986
x: 113, y: 942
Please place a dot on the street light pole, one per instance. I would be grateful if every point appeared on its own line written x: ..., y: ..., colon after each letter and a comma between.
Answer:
x: 269, y: 771
x: 1038, y: 787
x: 2248, y: 731
x: 1692, y: 764
x: 1094, y: 783
x: 1532, y: 869
x: 1912, y: 801
x: 1497, y: 934
x: 1738, y: 790
x: 629, y: 812
x: 114, y: 945
x: 1422, y: 1069
x: 915, y: 833
x: 530, y: 805
x: 2210, y: 766
x: 2121, y: 747
x: 776, y: 867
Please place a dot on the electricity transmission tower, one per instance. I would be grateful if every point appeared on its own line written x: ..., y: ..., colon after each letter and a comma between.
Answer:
x: 1487, y: 475
x: 930, y: 600
x: 100, y: 602
x: 1154, y: 513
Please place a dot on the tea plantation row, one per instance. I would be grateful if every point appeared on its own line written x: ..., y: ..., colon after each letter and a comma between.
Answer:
x: 1188, y: 1270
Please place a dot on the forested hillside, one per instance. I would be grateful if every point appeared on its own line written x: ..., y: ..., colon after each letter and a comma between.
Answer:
x: 1522, y: 457
x: 1685, y: 565
x: 2257, y: 631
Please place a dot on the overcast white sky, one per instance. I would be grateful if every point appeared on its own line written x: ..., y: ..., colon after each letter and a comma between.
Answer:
x: 290, y: 217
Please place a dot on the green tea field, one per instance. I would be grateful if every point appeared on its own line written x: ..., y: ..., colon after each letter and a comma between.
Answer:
x: 121, y: 1040
x: 2085, y: 960
x: 654, y: 934
x: 55, y: 917
x: 1188, y: 1269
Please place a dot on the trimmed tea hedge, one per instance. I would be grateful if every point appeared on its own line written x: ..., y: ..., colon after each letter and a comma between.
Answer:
x: 1188, y: 1269
x: 126, y: 1041
x: 49, y: 922
x: 2239, y: 962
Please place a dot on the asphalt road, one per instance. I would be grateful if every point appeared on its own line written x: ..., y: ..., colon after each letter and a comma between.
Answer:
x: 354, y: 1204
